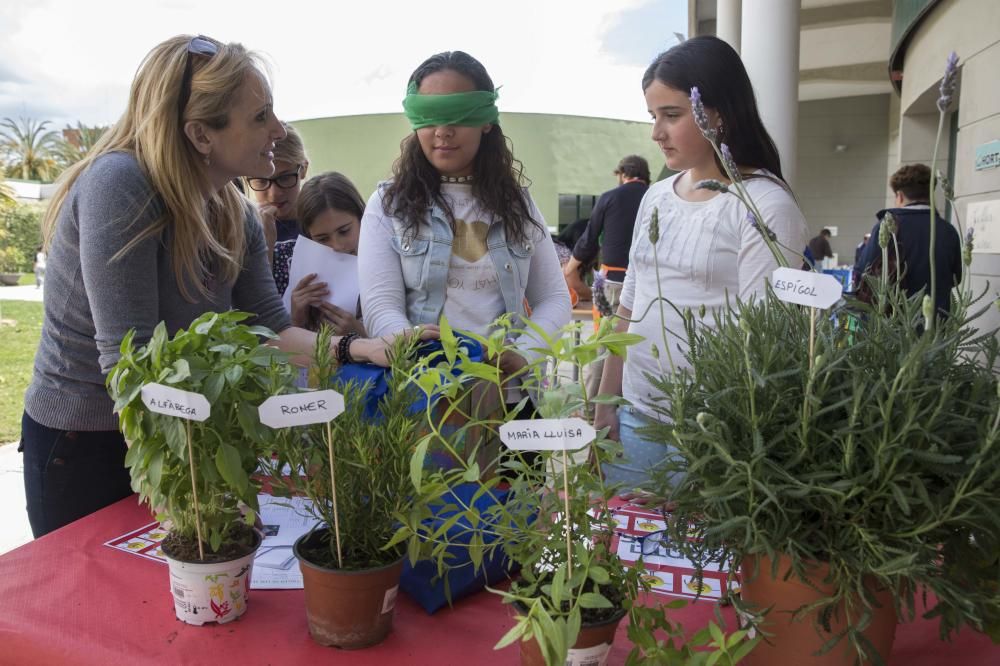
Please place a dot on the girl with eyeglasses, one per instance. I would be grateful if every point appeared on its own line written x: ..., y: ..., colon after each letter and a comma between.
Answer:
x: 455, y: 233
x: 277, y: 196
x: 150, y: 227
x: 329, y: 210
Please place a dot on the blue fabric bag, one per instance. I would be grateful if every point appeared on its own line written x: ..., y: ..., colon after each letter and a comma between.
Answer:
x: 421, y: 580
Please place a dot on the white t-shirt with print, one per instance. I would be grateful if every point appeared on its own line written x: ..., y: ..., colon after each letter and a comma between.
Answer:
x: 474, y: 298
x: 706, y: 250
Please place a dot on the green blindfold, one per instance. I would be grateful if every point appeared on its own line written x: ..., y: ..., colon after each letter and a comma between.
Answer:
x: 469, y: 109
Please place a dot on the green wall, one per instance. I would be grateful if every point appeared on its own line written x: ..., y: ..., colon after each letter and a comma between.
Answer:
x: 561, y: 154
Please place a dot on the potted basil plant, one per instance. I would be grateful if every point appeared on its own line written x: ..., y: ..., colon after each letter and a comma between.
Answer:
x: 197, y: 474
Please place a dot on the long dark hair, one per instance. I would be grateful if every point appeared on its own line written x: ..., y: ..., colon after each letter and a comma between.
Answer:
x: 497, y: 176
x: 716, y: 69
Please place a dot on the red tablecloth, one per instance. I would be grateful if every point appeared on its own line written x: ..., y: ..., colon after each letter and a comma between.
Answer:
x: 67, y: 599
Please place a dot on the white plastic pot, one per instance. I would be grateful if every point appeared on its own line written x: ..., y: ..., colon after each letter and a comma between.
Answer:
x: 214, y: 592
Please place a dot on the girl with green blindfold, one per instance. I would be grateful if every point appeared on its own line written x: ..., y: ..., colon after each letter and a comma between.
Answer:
x: 455, y: 233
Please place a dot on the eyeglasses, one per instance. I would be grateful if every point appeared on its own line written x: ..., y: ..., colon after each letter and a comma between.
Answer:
x: 202, y: 46
x: 285, y: 181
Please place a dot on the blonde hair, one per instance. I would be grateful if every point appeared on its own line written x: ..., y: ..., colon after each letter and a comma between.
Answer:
x: 290, y: 149
x: 207, y: 238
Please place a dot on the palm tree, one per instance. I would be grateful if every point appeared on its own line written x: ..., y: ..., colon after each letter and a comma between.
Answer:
x: 6, y: 193
x: 76, y: 142
x: 28, y: 149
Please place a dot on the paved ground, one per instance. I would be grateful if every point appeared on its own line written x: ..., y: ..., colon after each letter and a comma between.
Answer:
x: 26, y: 292
x: 14, y: 530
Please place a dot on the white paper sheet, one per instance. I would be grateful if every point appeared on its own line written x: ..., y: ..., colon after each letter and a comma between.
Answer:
x: 285, y: 520
x: 338, y: 270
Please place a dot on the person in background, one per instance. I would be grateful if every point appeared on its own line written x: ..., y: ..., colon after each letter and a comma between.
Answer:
x: 564, y: 242
x: 707, y: 252
x: 911, y: 186
x: 329, y: 211
x: 859, y: 250
x: 818, y: 249
x: 454, y: 233
x: 149, y: 228
x: 276, y: 196
x: 39, y: 266
x: 609, y: 235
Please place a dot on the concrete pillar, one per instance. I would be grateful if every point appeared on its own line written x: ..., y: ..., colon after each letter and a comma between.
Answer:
x: 728, y: 22
x: 770, y: 51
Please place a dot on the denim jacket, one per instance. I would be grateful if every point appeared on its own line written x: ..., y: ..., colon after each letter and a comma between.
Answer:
x: 425, y: 257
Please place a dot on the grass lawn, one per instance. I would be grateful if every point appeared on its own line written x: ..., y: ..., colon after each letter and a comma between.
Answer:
x: 27, y: 278
x: 18, y: 342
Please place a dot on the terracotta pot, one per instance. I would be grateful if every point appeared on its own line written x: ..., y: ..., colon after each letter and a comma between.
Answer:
x: 793, y: 643
x: 348, y: 609
x: 211, y: 592
x: 592, y: 645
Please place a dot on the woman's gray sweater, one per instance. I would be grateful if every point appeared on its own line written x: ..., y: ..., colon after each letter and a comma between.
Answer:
x: 91, y: 300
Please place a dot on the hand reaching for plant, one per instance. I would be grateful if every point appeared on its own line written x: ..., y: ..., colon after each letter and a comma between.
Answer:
x: 376, y: 350
x: 606, y: 416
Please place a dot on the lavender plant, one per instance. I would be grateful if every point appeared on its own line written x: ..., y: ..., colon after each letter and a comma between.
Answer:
x: 878, y: 452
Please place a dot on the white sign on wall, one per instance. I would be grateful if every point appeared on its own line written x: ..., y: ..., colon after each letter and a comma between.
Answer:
x: 983, y: 217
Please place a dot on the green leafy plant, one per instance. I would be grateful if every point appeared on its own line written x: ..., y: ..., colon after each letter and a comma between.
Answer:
x: 222, y: 359
x: 556, y: 522
x: 372, y: 469
x: 866, y: 441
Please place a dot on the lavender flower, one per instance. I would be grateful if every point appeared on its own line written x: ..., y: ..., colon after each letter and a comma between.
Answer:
x: 712, y: 185
x: 949, y: 192
x: 762, y: 228
x: 700, y: 117
x: 948, y: 83
x: 730, y: 163
x: 886, y: 230
x: 654, y: 226
x: 967, y: 247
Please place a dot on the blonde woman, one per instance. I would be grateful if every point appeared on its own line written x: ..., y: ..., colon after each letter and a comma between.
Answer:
x: 278, y: 195
x: 149, y: 228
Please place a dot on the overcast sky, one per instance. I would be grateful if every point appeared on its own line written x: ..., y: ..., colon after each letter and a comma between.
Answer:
x: 70, y: 60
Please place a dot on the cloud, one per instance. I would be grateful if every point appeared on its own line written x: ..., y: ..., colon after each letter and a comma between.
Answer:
x: 72, y: 61
x: 640, y: 33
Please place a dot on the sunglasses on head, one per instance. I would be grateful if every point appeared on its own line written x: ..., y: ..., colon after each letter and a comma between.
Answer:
x: 202, y: 46
x: 285, y: 181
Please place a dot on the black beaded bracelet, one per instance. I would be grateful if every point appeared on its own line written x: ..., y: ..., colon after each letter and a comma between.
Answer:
x: 344, y: 348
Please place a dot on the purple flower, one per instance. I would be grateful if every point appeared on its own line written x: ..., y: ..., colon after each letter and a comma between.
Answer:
x: 969, y: 233
x: 948, y: 83
x: 967, y: 247
x: 949, y: 192
x: 599, y: 280
x: 762, y: 228
x: 729, y: 163
x: 700, y: 117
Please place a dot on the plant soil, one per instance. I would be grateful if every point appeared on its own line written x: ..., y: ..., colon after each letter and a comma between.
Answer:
x: 239, y: 542
x: 319, y: 550
x: 613, y: 593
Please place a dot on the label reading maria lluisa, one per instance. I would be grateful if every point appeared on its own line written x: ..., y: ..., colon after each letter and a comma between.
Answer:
x: 175, y: 402
x: 547, y: 434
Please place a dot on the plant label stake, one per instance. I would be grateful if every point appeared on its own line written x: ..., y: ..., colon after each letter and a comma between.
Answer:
x: 190, y: 407
x: 309, y: 408
x: 815, y: 290
x: 551, y: 435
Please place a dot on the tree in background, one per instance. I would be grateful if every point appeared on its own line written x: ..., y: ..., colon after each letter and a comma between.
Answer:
x: 28, y: 150
x: 6, y: 193
x: 20, y: 236
x: 76, y: 142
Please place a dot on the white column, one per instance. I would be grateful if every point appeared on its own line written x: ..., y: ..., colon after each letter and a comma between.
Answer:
x: 728, y: 22
x: 770, y: 41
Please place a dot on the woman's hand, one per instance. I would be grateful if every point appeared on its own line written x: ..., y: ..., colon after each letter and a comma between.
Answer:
x: 342, y: 321
x: 511, y: 364
x: 376, y: 350
x: 305, y: 295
